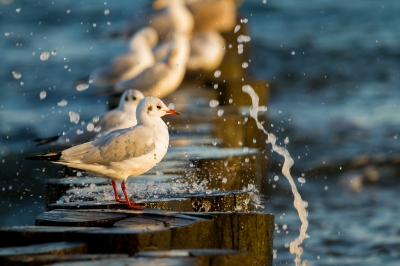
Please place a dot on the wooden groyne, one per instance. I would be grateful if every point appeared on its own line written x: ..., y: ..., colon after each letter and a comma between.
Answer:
x: 201, y: 200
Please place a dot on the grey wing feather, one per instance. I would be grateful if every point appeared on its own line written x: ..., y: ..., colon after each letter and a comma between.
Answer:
x: 110, y: 120
x: 117, y: 146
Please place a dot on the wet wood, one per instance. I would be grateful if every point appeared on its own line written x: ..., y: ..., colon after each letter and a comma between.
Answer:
x: 137, y: 262
x: 186, y: 231
x: 201, y: 201
x: 246, y: 231
x: 151, y: 236
x: 76, y: 218
x: 57, y: 187
x: 38, y: 260
x: 46, y: 248
x: 167, y: 204
x: 206, y: 257
x: 30, y: 235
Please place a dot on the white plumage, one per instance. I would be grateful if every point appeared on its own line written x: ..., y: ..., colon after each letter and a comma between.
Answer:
x: 125, y: 152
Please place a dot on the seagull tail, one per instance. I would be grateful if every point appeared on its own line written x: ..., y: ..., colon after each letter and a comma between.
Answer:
x: 52, y: 156
x: 46, y: 140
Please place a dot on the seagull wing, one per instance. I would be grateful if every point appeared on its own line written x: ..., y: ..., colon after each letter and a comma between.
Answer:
x: 117, y: 146
x: 110, y: 119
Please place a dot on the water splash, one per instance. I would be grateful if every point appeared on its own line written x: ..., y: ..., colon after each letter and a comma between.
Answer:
x: 298, y: 203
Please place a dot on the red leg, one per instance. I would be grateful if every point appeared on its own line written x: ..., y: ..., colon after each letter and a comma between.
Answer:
x: 130, y: 204
x: 117, y: 199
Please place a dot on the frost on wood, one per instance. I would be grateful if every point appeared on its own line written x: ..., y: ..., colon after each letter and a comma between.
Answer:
x: 299, y: 204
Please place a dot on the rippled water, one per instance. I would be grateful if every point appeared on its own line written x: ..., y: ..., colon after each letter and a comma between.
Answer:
x: 334, y: 71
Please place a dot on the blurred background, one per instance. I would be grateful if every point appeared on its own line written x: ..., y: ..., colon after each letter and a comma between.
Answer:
x: 333, y: 69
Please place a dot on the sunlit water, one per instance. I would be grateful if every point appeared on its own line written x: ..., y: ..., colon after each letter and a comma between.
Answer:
x: 334, y: 73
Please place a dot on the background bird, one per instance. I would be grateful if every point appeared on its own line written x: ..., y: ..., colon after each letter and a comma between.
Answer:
x: 207, y: 49
x: 166, y: 75
x: 127, y: 66
x: 121, y: 117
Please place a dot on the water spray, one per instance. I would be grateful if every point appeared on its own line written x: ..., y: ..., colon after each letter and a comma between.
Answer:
x: 298, y: 203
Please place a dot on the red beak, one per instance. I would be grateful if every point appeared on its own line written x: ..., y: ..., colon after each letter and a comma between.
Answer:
x: 172, y: 112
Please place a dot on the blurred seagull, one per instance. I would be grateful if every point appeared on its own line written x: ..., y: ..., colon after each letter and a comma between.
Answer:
x: 167, y: 17
x: 127, y: 66
x: 219, y: 15
x: 123, y: 153
x: 206, y: 51
x: 121, y: 117
x: 166, y: 75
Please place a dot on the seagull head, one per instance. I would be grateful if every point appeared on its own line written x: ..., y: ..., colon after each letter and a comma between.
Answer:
x: 153, y: 107
x: 130, y: 100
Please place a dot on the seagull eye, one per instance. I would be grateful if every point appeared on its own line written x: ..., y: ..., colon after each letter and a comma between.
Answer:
x: 134, y: 98
x: 158, y: 107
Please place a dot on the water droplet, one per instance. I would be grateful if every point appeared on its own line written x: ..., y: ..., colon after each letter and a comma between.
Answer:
x: 220, y: 112
x: 44, y: 56
x: 238, y: 208
x: 214, y: 143
x: 16, y: 74
x: 208, y: 191
x: 97, y: 129
x: 276, y: 178
x: 243, y: 38
x: 240, y: 48
x: 96, y: 119
x: 42, y: 95
x: 90, y: 127
x: 171, y: 106
x: 217, y: 73
x: 286, y: 140
x: 244, y: 20
x: 54, y: 52
x: 224, y: 180
x: 237, y: 28
x: 79, y: 131
x: 214, y: 103
x: 245, y: 65
x: 216, y: 86
x: 301, y: 180
x: 82, y: 87
x: 106, y: 12
x: 74, y: 117
x: 293, y: 52
x: 62, y: 103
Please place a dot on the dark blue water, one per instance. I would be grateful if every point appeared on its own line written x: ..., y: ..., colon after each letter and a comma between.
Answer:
x: 334, y: 72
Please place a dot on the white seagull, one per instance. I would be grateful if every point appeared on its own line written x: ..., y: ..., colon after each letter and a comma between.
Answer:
x: 121, y: 117
x: 127, y: 66
x: 206, y: 51
x: 167, y: 17
x: 166, y: 75
x: 122, y: 153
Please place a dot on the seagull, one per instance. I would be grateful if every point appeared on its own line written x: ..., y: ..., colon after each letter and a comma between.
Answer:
x: 166, y: 75
x: 127, y: 66
x: 217, y: 15
x: 167, y: 17
x: 123, y: 116
x: 122, y: 153
x: 206, y: 51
